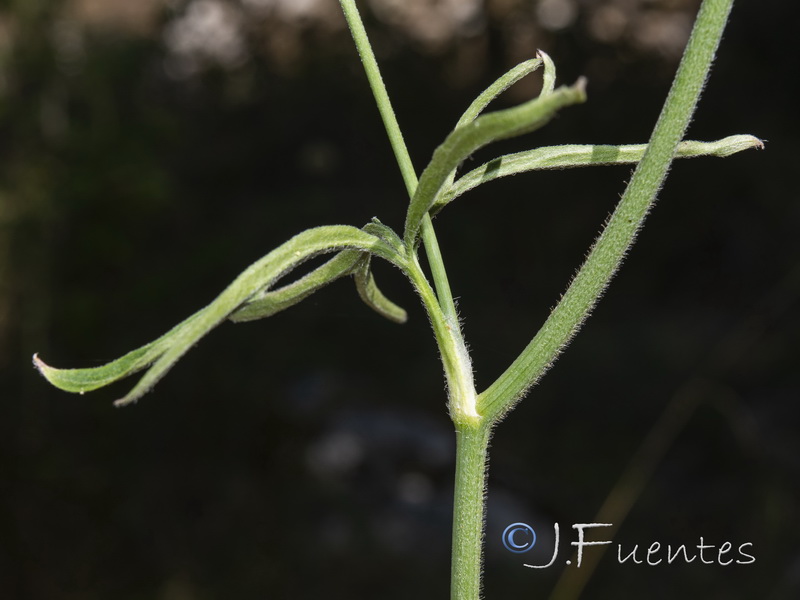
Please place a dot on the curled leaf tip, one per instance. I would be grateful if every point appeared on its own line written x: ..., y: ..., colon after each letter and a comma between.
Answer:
x: 549, y: 75
x: 60, y: 378
x: 734, y: 144
x: 543, y: 58
x: 753, y: 141
x: 40, y: 365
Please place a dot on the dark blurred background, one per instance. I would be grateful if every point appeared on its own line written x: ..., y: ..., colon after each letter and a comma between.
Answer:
x: 151, y: 150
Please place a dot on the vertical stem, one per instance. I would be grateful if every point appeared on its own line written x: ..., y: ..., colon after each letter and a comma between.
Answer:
x: 468, y: 511
x: 455, y: 359
x: 440, y: 281
x: 443, y: 293
x: 378, y: 88
x: 473, y: 436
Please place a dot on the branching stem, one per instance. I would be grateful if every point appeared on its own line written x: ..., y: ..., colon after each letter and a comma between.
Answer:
x: 581, y: 296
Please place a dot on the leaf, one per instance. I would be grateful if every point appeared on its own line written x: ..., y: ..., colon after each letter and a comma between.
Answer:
x: 164, y: 352
x: 373, y: 297
x: 270, y: 302
x: 549, y: 78
x: 488, y: 128
x: 563, y: 157
x: 365, y: 281
x: 488, y: 95
x: 86, y: 380
x: 347, y: 262
x: 504, y: 82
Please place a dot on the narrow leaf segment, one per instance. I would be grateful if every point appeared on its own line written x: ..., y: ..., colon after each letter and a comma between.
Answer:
x: 569, y: 156
x: 252, y: 284
x: 488, y: 128
x: 499, y: 86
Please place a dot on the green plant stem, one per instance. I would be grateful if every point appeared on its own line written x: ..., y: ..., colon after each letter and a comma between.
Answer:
x: 473, y: 438
x: 473, y: 432
x: 468, y: 511
x: 462, y: 396
x: 443, y: 316
x: 439, y: 274
x: 620, y: 232
x: 432, y: 251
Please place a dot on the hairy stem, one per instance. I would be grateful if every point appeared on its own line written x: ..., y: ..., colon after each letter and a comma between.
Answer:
x: 462, y: 396
x: 444, y: 295
x: 448, y: 331
x: 620, y: 232
x: 468, y: 511
x: 472, y: 439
